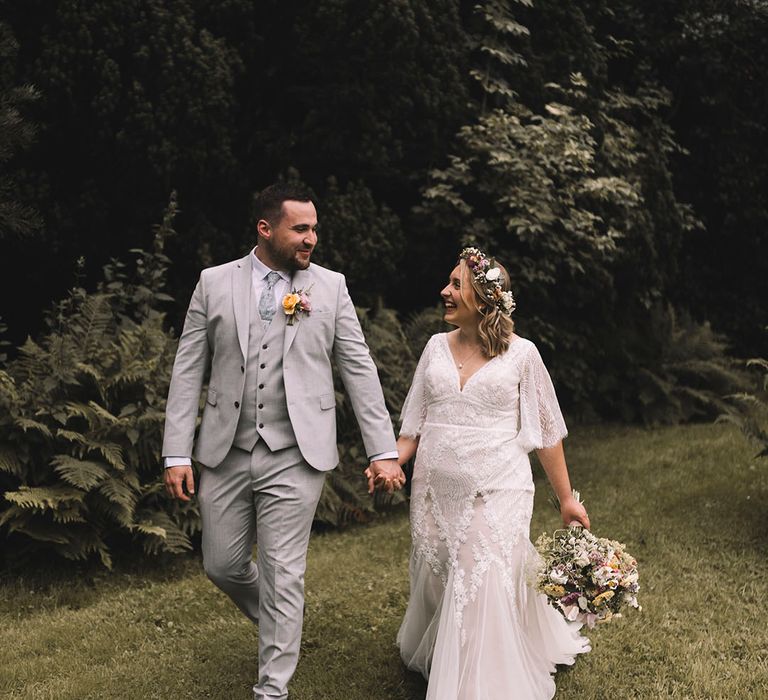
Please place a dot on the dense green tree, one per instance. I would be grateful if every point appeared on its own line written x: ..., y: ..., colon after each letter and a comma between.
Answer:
x: 571, y: 185
x: 361, y: 239
x: 16, y: 218
x: 719, y: 63
x: 215, y: 100
x: 135, y: 100
x: 711, y: 59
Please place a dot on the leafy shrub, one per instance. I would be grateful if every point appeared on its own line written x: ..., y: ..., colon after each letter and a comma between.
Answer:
x: 749, y: 409
x: 82, y: 413
x: 82, y: 418
x: 690, y: 375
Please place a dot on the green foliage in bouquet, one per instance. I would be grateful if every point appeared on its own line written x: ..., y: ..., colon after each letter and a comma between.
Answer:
x: 81, y: 417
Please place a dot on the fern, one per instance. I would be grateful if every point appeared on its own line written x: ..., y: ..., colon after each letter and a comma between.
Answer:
x: 749, y: 409
x: 43, y: 531
x: 691, y: 374
x: 44, y: 498
x: 82, y: 543
x: 81, y: 422
x: 161, y: 533
x: 10, y: 463
x: 27, y: 424
x: 82, y: 473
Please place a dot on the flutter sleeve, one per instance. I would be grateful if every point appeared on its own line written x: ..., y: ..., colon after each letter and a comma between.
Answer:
x: 541, y: 422
x: 414, y: 411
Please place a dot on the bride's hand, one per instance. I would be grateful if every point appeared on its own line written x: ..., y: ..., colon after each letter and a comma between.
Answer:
x: 572, y: 512
x: 385, y: 474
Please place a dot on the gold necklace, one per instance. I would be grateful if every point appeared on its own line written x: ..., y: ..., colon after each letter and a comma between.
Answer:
x: 464, y: 361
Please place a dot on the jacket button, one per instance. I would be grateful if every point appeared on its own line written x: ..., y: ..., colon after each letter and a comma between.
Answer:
x: 261, y: 425
x: 237, y: 404
x: 261, y: 405
x: 242, y: 369
x: 263, y: 347
x: 262, y: 365
x: 261, y: 386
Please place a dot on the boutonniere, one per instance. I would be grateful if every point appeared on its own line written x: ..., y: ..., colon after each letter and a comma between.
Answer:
x: 296, y: 303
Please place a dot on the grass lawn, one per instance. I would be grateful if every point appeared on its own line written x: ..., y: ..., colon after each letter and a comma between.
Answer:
x: 689, y: 502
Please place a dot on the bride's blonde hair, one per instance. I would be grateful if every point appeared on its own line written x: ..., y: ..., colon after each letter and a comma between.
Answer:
x: 496, y: 328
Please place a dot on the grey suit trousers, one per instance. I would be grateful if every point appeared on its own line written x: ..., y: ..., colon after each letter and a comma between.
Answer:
x: 270, y: 498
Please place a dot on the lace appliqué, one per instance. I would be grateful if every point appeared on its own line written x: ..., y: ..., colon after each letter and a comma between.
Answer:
x: 472, y: 495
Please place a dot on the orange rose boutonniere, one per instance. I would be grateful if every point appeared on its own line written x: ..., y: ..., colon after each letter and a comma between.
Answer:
x: 296, y: 303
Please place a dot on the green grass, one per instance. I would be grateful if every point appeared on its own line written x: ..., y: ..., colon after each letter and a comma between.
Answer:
x: 689, y: 502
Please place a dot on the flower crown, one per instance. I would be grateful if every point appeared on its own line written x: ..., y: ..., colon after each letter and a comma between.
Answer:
x: 486, y: 275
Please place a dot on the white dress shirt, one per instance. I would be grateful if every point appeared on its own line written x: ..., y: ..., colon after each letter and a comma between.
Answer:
x: 259, y: 272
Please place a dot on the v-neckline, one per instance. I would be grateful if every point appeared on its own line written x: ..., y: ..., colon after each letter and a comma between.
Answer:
x: 456, y: 368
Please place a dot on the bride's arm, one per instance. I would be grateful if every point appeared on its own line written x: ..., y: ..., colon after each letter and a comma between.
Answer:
x: 553, y: 461
x: 406, y: 448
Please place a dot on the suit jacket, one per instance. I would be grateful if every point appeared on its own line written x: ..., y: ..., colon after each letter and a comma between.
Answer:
x: 216, y: 333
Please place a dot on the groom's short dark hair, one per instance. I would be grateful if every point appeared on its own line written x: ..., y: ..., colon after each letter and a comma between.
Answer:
x: 268, y: 204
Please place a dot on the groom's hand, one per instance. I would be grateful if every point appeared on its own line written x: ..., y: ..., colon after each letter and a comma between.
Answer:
x: 384, y: 473
x: 176, y: 478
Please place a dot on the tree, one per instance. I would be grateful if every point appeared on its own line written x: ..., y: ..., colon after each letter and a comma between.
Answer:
x: 135, y: 99
x: 16, y: 133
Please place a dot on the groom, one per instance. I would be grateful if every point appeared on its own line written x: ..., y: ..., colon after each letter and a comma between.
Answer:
x: 268, y: 431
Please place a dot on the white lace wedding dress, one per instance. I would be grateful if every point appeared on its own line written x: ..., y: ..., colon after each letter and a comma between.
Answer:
x: 474, y: 626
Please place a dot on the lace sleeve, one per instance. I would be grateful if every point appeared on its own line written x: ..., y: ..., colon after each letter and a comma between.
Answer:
x: 414, y: 411
x: 541, y: 422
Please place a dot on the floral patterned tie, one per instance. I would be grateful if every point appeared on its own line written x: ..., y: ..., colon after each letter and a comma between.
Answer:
x: 267, y: 300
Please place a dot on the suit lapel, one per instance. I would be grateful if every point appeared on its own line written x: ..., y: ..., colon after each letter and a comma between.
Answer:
x: 301, y: 280
x: 241, y: 300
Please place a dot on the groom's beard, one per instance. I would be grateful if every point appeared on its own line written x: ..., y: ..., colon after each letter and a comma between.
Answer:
x: 287, y: 257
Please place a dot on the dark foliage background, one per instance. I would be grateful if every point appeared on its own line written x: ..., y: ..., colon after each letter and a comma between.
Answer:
x: 612, y: 154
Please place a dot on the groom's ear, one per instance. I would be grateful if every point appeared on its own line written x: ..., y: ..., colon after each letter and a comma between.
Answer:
x: 263, y: 229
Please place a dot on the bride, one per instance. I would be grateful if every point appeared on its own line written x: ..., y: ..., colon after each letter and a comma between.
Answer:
x: 480, y: 401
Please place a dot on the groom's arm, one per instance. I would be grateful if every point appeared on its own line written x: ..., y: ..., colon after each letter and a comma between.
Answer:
x: 181, y: 411
x: 361, y: 379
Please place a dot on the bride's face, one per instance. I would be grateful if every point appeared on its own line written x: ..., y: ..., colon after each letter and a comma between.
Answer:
x: 457, y: 296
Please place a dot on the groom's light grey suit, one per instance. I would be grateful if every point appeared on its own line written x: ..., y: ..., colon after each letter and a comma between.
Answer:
x: 268, y: 433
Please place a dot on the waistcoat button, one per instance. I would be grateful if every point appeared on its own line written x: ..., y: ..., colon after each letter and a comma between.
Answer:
x: 237, y: 404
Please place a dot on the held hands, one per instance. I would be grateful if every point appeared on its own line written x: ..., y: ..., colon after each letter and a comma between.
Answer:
x: 386, y: 474
x: 176, y: 478
x: 573, y: 513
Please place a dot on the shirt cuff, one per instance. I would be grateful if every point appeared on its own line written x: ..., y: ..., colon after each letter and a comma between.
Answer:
x: 383, y: 455
x: 177, y: 462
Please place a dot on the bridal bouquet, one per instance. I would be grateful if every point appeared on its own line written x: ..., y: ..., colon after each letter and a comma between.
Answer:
x: 587, y: 578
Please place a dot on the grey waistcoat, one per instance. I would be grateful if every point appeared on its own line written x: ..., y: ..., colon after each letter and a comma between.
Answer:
x: 264, y: 412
